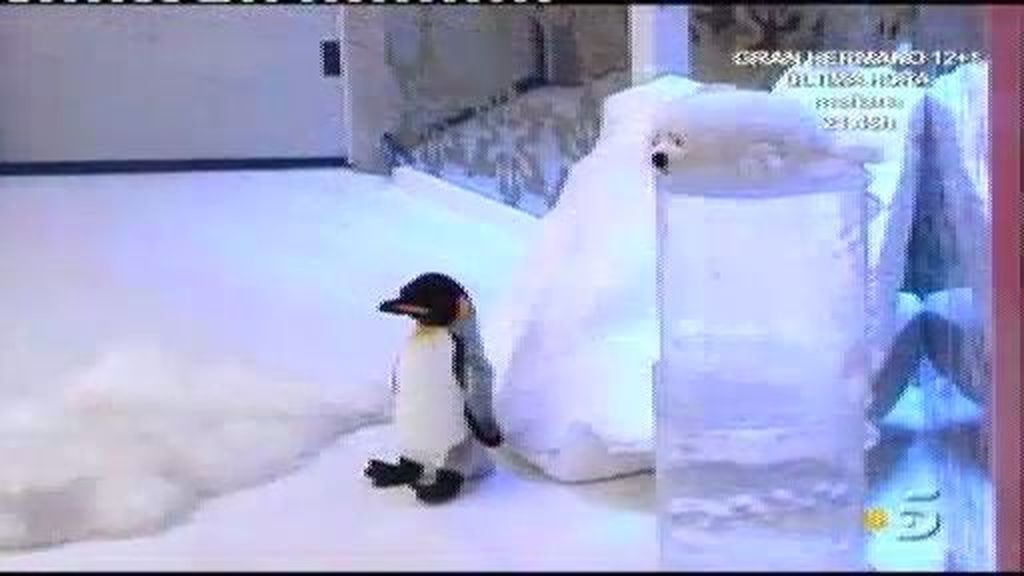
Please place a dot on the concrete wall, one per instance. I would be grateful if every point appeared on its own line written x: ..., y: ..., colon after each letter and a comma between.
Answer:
x: 477, y: 52
x: 167, y: 83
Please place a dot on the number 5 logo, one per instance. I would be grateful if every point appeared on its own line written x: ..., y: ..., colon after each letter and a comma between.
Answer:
x: 919, y: 525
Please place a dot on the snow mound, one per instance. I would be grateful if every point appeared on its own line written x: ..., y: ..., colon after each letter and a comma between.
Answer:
x: 716, y: 127
x: 139, y: 438
x: 574, y: 341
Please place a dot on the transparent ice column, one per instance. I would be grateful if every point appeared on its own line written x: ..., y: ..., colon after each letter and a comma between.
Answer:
x: 762, y: 381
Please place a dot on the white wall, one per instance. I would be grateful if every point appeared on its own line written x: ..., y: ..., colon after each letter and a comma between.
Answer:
x: 84, y: 83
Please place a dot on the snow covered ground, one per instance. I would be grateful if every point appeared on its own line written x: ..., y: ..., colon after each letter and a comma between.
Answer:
x: 327, y: 518
x: 236, y: 313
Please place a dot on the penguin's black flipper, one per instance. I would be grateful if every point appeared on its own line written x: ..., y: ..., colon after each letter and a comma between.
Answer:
x: 487, y: 433
x: 489, y: 436
x: 459, y: 362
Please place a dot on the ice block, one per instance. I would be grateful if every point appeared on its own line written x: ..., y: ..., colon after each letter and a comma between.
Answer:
x: 762, y: 381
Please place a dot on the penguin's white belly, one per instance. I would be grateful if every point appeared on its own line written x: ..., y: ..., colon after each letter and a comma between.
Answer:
x: 429, y: 406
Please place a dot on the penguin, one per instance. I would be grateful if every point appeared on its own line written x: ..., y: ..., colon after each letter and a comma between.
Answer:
x: 442, y: 383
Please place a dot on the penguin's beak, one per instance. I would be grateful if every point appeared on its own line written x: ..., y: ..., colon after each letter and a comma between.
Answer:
x: 402, y: 308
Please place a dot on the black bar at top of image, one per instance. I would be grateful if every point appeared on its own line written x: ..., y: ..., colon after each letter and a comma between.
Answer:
x: 320, y: 2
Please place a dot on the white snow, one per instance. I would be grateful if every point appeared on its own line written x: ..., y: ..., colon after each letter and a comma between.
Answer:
x: 724, y: 128
x: 328, y: 517
x: 169, y: 338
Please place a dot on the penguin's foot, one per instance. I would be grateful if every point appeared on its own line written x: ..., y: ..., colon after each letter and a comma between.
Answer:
x: 446, y: 486
x: 385, y: 475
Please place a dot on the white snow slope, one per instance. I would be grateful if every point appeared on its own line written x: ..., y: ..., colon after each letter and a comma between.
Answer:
x: 168, y: 338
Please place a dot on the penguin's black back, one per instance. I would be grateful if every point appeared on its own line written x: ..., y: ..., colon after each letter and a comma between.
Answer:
x: 459, y: 369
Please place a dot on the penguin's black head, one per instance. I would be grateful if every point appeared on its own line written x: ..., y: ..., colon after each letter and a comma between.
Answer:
x: 432, y: 299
